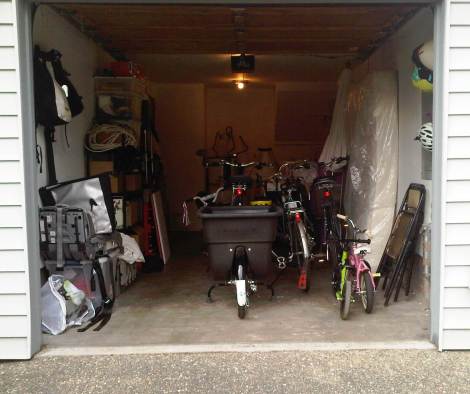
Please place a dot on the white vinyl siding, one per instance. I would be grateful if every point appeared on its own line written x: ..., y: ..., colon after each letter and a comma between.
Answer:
x: 15, y: 298
x: 456, y: 270
x: 15, y: 326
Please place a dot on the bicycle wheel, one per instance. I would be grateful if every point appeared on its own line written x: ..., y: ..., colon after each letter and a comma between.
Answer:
x: 242, y: 308
x: 241, y: 311
x: 346, y: 299
x: 367, y: 292
x: 303, y: 254
x: 332, y: 237
x: 332, y: 252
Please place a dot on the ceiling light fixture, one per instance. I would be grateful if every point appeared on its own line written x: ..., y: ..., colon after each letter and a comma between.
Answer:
x: 240, y: 83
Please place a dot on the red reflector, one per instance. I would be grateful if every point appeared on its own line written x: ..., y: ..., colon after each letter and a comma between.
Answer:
x: 239, y: 192
x: 298, y: 217
x: 326, y: 194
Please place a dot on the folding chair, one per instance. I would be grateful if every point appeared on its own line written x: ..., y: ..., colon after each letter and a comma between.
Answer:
x: 395, y: 260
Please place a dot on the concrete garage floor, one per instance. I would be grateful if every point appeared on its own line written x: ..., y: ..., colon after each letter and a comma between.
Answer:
x: 170, y: 308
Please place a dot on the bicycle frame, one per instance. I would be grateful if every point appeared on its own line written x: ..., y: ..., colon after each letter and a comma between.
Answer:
x: 295, y: 223
x: 353, y: 263
x: 357, y: 261
x: 295, y: 215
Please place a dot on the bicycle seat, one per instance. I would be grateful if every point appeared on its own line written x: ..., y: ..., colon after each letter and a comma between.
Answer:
x: 324, y: 181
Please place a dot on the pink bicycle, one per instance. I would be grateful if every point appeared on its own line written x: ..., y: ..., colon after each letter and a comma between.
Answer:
x: 352, y: 276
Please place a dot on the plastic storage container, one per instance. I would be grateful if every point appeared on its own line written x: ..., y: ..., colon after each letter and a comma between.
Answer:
x: 254, y: 227
x: 76, y: 272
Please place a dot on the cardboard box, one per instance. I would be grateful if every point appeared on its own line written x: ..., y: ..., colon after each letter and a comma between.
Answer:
x: 138, y: 235
x: 100, y: 166
x: 133, y: 212
x: 114, y: 184
x: 133, y: 182
x: 120, y: 85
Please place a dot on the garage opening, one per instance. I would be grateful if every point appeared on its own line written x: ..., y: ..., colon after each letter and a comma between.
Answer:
x: 175, y: 96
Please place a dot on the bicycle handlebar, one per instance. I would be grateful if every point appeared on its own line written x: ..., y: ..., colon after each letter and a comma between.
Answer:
x: 359, y: 241
x: 344, y: 218
x: 335, y: 160
x: 355, y: 229
x: 209, y: 197
x: 228, y: 163
x: 220, y: 163
x: 299, y: 163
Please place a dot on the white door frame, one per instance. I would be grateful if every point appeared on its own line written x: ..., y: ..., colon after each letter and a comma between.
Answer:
x: 24, y: 8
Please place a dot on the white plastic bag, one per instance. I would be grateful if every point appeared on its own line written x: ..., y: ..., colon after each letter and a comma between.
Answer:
x: 132, y: 252
x: 63, y: 305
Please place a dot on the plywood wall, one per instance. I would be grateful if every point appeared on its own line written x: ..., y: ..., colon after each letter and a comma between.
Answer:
x: 180, y: 122
x: 190, y: 115
x: 250, y: 112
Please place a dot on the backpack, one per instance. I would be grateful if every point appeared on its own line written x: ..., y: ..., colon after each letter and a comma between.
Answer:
x: 56, y: 100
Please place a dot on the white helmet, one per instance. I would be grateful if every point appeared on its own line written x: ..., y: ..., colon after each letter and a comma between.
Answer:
x: 425, y: 136
x: 425, y: 53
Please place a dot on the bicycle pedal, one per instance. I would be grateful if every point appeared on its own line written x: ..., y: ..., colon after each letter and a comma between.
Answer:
x: 377, y: 275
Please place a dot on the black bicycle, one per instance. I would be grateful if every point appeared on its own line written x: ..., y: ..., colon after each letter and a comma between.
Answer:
x: 329, y: 189
x: 295, y: 227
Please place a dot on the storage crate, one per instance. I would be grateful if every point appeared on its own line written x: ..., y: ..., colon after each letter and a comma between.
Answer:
x: 120, y: 85
x: 254, y: 227
x: 118, y: 106
x: 78, y: 273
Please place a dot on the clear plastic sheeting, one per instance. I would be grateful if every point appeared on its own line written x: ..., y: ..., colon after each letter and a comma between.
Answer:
x: 336, y: 142
x: 371, y: 184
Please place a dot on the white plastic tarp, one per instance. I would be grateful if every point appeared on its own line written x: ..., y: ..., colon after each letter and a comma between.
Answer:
x: 371, y: 184
x: 336, y: 142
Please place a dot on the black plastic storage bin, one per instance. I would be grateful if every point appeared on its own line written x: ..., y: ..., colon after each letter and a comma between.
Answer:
x: 225, y: 228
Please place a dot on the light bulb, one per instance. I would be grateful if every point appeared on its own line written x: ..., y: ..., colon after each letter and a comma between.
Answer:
x: 240, y: 85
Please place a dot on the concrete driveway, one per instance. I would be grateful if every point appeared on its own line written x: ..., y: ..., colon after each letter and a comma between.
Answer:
x: 359, y: 371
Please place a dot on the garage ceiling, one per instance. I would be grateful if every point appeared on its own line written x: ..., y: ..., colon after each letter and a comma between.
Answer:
x: 166, y: 29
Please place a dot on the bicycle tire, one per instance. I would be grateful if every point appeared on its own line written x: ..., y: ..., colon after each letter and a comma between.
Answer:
x: 367, y: 292
x: 332, y: 253
x: 345, y: 305
x: 304, y: 257
x: 242, y: 309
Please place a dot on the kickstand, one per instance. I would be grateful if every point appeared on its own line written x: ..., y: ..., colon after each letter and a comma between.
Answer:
x: 209, y: 293
x: 271, y: 287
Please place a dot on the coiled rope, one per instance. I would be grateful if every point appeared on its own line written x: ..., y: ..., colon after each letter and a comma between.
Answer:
x: 109, y: 136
